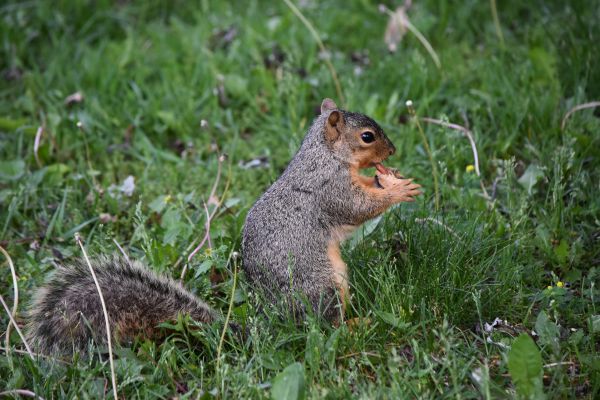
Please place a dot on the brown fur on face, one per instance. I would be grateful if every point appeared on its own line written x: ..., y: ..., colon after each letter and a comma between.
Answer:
x: 344, y: 134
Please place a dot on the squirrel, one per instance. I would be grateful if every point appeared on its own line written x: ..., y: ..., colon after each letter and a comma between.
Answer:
x: 292, y: 235
x: 291, y: 244
x: 66, y: 313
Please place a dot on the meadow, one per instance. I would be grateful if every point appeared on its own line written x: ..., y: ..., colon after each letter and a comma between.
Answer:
x: 147, y: 124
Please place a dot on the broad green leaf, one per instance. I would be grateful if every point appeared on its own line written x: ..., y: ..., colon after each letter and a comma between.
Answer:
x: 314, y: 348
x: 595, y: 323
x: 289, y: 383
x: 236, y: 85
x: 531, y: 176
x: 392, y: 319
x: 158, y: 204
x: 9, y: 124
x: 204, y: 267
x: 11, y: 170
x: 361, y: 233
x: 525, y: 367
x: 547, y: 330
x: 562, y: 251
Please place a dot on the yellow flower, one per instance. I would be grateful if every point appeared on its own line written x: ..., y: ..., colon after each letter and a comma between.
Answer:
x: 168, y: 199
x: 470, y: 168
x: 550, y: 287
x: 560, y: 284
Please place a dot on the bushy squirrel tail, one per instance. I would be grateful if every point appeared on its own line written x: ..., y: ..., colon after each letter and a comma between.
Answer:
x: 66, y: 313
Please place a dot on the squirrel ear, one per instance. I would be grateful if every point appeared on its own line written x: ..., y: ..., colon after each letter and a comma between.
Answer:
x: 327, y: 105
x: 333, y: 125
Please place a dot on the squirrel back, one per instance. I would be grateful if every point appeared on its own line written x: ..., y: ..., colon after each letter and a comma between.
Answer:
x: 66, y: 313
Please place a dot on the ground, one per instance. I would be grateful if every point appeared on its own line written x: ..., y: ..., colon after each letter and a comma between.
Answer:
x: 113, y: 116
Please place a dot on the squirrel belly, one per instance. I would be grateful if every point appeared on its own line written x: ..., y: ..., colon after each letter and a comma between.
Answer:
x: 292, y: 235
x: 66, y: 313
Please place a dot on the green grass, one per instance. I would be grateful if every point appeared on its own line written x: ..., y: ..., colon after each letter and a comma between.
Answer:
x: 148, y: 72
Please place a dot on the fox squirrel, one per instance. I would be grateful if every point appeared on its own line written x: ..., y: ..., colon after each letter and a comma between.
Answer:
x: 66, y: 313
x: 291, y: 243
x: 292, y: 235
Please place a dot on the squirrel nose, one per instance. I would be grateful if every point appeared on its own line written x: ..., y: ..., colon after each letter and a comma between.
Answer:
x: 392, y: 149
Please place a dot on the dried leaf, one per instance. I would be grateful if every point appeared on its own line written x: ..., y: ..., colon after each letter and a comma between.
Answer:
x: 128, y: 186
x: 396, y: 28
x: 74, y: 98
x: 260, y: 162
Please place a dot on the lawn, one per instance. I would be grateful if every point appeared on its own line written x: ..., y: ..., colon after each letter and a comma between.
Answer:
x: 121, y: 120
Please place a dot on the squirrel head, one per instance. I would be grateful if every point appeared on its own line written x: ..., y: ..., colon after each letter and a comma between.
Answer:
x: 355, y: 138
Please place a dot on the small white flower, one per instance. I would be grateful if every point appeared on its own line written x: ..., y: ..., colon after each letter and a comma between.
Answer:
x: 409, y: 103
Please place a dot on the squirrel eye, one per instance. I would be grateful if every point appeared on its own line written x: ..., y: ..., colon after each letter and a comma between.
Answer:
x: 367, y: 137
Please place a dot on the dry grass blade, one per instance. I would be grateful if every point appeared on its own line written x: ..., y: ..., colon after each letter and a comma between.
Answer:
x: 425, y: 43
x: 469, y: 136
x: 122, y: 252
x: 235, y: 256
x: 579, y: 107
x: 36, y: 145
x: 24, y: 352
x: 496, y: 21
x: 20, y: 392
x: 15, y: 294
x: 315, y: 35
x: 209, y: 216
x: 108, y: 333
x: 396, y: 29
x: 465, y: 131
x: 16, y: 327
x: 438, y: 223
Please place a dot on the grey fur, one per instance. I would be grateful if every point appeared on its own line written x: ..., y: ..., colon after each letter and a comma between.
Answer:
x: 66, y: 313
x: 288, y: 230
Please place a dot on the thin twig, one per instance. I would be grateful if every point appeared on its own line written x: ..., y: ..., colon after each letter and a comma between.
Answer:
x: 315, y: 35
x: 17, y: 327
x: 15, y: 294
x: 36, y: 145
x: 233, y: 255
x: 20, y: 392
x: 497, y: 22
x: 583, y: 106
x: 108, y: 334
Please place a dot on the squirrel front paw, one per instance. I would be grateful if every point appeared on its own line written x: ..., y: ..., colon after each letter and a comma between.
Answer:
x: 399, y: 189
